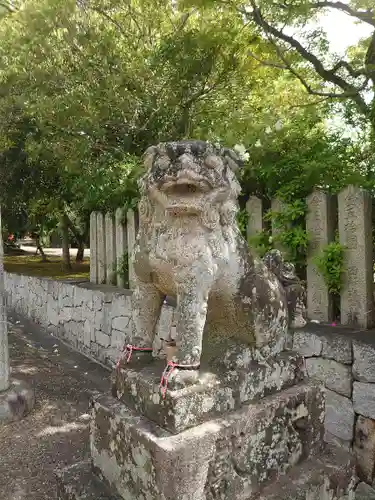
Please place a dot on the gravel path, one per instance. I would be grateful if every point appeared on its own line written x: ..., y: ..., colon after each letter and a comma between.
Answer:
x: 56, y: 432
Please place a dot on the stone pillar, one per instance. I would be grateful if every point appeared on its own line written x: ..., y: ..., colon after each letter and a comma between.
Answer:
x: 277, y: 206
x: 255, y: 210
x: 4, y: 351
x: 355, y: 228
x: 93, y: 249
x: 131, y: 231
x: 110, y: 244
x: 101, y: 248
x: 320, y: 226
x: 121, y: 243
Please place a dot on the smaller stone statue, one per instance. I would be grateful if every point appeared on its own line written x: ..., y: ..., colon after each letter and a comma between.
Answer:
x: 294, y: 289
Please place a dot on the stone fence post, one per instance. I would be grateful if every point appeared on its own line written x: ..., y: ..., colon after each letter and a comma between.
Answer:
x: 110, y: 249
x: 101, y: 248
x: 131, y: 233
x: 121, y: 243
x: 355, y: 228
x: 93, y: 249
x: 254, y: 209
x: 320, y: 223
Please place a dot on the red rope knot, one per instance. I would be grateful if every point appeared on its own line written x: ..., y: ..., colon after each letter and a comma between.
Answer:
x: 128, y: 350
x: 168, y: 370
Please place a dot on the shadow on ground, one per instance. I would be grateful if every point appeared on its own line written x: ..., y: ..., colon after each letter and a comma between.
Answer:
x: 56, y: 432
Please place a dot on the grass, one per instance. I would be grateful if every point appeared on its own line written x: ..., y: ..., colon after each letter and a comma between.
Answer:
x: 33, y: 266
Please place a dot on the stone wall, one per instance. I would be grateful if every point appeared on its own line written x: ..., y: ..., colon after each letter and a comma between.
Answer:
x: 95, y: 319
x: 343, y: 360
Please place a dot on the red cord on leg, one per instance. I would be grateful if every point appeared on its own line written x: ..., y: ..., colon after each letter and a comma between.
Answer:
x: 128, y: 350
x: 171, y: 366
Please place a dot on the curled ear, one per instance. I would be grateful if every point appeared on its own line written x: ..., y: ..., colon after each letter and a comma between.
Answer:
x: 149, y: 156
x: 232, y: 159
x: 144, y: 211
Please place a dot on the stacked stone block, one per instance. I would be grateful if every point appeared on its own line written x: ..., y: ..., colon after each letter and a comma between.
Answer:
x: 343, y: 360
x: 94, y: 319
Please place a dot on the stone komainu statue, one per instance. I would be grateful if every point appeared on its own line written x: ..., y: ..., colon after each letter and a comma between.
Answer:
x: 189, y: 247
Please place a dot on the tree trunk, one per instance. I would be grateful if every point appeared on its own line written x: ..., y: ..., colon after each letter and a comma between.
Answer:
x: 40, y: 249
x: 80, y: 252
x: 4, y: 352
x: 64, y: 226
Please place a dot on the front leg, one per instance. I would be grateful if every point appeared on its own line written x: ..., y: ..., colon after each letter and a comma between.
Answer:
x: 192, y: 299
x: 147, y: 302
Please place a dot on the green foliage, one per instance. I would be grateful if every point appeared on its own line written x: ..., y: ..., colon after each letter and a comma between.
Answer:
x: 261, y: 242
x: 291, y: 232
x: 86, y: 86
x: 330, y: 264
x: 242, y: 221
x: 123, y: 269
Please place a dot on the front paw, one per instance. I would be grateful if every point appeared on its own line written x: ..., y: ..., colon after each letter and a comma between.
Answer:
x: 182, y: 378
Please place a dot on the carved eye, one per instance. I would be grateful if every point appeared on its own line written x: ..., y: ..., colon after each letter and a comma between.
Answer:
x: 212, y: 161
x: 163, y: 162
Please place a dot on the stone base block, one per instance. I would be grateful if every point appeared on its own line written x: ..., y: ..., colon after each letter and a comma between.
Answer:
x: 16, y: 402
x: 231, y: 457
x: 78, y: 482
x: 329, y: 476
x: 225, y: 382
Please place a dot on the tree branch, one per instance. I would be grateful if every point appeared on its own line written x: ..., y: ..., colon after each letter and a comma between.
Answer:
x: 355, y: 73
x: 267, y: 63
x: 331, y: 76
x: 7, y: 6
x: 365, y: 16
x: 110, y: 19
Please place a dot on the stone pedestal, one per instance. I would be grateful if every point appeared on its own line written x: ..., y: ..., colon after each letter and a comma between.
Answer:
x: 244, y: 429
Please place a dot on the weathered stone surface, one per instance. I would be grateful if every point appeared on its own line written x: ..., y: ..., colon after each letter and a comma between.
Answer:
x: 307, y: 344
x: 218, y: 389
x: 93, y: 249
x: 131, y: 233
x: 255, y: 211
x: 136, y: 457
x: 364, y: 492
x: 110, y: 249
x: 355, y: 230
x: 364, y: 399
x: 189, y: 246
x: 364, y: 448
x: 330, y: 476
x: 320, y: 227
x: 339, y: 417
x: 364, y: 362
x: 241, y: 452
x: 121, y: 243
x: 16, y: 402
x: 332, y: 440
x: 337, y: 347
x: 100, y: 249
x: 333, y: 375
x: 78, y: 482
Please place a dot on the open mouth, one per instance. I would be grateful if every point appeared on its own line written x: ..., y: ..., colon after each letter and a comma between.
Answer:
x: 186, y: 188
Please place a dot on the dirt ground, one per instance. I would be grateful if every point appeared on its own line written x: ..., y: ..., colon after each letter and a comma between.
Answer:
x: 55, y: 434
